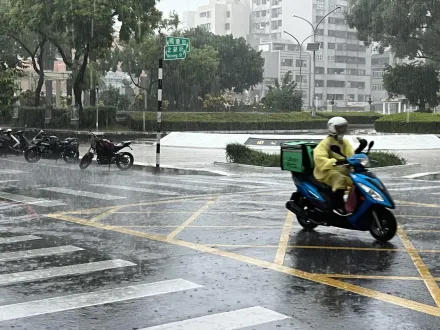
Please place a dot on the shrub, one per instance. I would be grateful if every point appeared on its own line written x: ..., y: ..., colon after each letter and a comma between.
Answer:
x: 421, y: 123
x: 241, y: 154
x: 360, y: 118
x: 386, y: 158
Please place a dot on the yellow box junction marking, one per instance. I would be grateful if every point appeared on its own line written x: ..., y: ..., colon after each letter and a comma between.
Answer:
x: 317, y: 278
x: 191, y: 219
x: 429, y: 280
x: 284, y: 240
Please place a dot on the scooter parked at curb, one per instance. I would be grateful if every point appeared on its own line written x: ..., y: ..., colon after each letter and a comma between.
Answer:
x: 369, y: 202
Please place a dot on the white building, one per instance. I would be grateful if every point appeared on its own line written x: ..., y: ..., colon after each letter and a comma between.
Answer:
x: 343, y: 64
x: 221, y: 17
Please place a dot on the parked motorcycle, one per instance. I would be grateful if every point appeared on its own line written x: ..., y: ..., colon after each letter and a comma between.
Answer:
x: 13, y: 142
x: 369, y: 202
x: 50, y: 147
x: 107, y: 153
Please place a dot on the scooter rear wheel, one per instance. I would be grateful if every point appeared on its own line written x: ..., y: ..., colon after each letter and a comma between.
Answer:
x: 306, y: 224
x: 388, y: 223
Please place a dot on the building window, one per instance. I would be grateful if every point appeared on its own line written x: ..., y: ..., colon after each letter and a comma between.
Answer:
x: 320, y: 4
x: 377, y: 87
x: 263, y: 13
x: 227, y: 26
x: 335, y: 83
x: 287, y: 62
x: 228, y: 14
x: 336, y: 97
x: 378, y: 73
x: 319, y: 83
x: 319, y: 57
x: 320, y: 32
x: 335, y: 71
x: 293, y: 48
x: 331, y: 45
x: 320, y: 70
x: 278, y: 47
x: 356, y: 72
x: 331, y: 58
x: 298, y: 79
x: 304, y: 63
x: 350, y: 59
x: 274, y: 25
x: 337, y: 21
x: 202, y: 14
x: 280, y: 23
x: 257, y: 14
x: 263, y: 2
x: 356, y: 84
x: 207, y: 26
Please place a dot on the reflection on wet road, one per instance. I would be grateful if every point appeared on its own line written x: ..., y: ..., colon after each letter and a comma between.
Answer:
x: 128, y: 250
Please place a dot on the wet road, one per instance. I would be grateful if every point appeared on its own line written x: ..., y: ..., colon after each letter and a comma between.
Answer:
x: 129, y: 250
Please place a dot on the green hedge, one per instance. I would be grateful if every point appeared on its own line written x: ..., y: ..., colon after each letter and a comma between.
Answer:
x: 241, y: 154
x: 360, y: 118
x: 422, y: 123
x: 35, y: 116
x: 191, y: 121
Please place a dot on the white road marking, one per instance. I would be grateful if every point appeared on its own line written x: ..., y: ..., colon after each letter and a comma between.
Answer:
x: 12, y: 172
x: 64, y: 303
x: 190, y: 186
x: 409, y: 189
x: 24, y: 254
x: 81, y: 193
x: 30, y: 200
x: 7, y: 181
x: 238, y: 319
x: 151, y: 191
x: 17, y: 239
x: 77, y: 269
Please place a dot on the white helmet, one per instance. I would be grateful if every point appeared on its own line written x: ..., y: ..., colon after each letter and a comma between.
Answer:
x: 333, y: 125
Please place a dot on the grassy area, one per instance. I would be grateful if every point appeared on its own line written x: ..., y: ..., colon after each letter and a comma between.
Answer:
x: 421, y: 123
x: 241, y: 154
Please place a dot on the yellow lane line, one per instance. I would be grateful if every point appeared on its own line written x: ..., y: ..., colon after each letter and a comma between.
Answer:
x: 105, y: 214
x: 429, y: 280
x: 401, y: 302
x: 309, y: 247
x: 284, y: 240
x: 176, y: 231
x: 374, y: 277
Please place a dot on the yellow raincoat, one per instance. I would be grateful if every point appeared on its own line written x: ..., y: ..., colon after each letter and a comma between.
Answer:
x: 325, y: 171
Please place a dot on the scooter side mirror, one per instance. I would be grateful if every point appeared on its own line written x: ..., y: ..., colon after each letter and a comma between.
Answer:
x: 337, y: 150
x: 370, y: 146
x: 362, y: 145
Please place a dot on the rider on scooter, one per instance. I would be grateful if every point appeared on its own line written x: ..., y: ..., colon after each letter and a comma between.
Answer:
x: 325, y: 160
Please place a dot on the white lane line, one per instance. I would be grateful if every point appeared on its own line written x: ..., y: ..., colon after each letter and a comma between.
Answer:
x: 24, y: 254
x: 81, y: 193
x: 17, y: 239
x: 190, y: 186
x: 409, y: 189
x: 151, y: 191
x: 30, y: 200
x: 7, y: 181
x: 238, y: 319
x: 12, y: 172
x: 64, y: 303
x: 41, y: 274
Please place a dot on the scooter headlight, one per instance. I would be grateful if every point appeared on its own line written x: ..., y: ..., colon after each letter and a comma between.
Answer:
x: 371, y: 192
x: 366, y: 162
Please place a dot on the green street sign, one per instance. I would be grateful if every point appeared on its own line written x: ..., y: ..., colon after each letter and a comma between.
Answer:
x: 178, y: 41
x: 174, y: 53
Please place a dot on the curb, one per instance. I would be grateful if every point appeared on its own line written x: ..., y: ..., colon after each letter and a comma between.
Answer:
x: 385, y: 168
x: 177, y: 170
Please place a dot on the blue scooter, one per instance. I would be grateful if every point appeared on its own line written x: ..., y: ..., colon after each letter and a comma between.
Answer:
x: 311, y: 202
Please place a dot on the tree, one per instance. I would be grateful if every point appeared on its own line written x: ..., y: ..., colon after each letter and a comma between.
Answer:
x: 8, y: 86
x: 284, y: 97
x: 241, y: 67
x: 85, y: 28
x: 410, y: 27
x: 418, y: 82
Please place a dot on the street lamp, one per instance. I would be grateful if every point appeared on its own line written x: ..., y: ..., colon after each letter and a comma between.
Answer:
x: 300, y: 44
x: 96, y: 104
x: 314, y: 29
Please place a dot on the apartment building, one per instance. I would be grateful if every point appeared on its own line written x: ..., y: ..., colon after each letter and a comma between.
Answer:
x: 221, y: 17
x: 342, y: 70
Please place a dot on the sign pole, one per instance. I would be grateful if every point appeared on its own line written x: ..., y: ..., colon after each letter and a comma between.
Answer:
x: 159, y: 114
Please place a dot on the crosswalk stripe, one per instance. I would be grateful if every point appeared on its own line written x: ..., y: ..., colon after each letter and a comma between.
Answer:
x: 152, y: 191
x: 77, y: 269
x: 24, y: 254
x: 181, y: 186
x: 238, y: 319
x: 64, y: 303
x: 30, y: 200
x: 81, y: 193
x: 17, y: 239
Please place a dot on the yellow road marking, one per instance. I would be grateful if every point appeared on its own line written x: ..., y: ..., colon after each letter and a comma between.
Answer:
x: 401, y: 302
x: 284, y: 240
x: 375, y: 277
x: 406, y: 203
x: 429, y: 280
x: 186, y: 212
x: 202, y: 227
x: 423, y: 230
x: 105, y: 214
x: 176, y: 231
x: 309, y: 247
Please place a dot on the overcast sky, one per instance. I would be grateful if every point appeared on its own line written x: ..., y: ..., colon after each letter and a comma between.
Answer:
x: 179, y: 5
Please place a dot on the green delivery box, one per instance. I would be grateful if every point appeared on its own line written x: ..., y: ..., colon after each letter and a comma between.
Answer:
x: 297, y: 156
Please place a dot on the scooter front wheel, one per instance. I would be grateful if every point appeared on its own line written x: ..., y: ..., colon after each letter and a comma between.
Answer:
x: 85, y: 161
x: 388, y: 223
